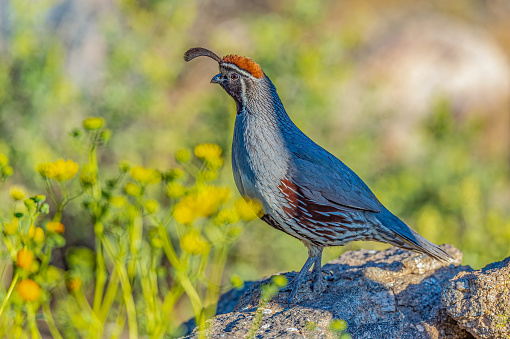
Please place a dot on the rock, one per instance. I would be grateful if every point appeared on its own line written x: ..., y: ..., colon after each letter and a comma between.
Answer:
x: 388, y: 294
x: 480, y: 301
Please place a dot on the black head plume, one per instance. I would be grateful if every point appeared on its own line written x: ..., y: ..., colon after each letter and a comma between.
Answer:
x: 192, y: 53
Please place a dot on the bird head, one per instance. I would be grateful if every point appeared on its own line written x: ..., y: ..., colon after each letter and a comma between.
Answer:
x: 238, y: 74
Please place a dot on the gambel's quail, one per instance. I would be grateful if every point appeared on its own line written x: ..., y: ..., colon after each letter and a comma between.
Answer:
x: 304, y: 190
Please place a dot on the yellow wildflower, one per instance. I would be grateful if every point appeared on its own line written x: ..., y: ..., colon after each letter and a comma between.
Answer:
x: 338, y: 325
x: 237, y: 282
x: 249, y: 209
x: 145, y: 175
x: 3, y: 160
x: 175, y: 173
x: 93, y: 123
x: 203, y: 202
x: 182, y: 155
x: 208, y: 152
x: 17, y: 193
x: 31, y: 231
x: 25, y: 258
x: 184, y: 213
x: 175, y: 190
x: 7, y: 171
x: 226, y: 216
x: 11, y: 228
x: 88, y: 175
x: 151, y: 206
x: 73, y: 284
x: 132, y: 189
x: 280, y: 281
x: 29, y: 290
x: 60, y: 170
x: 52, y: 274
x: 55, y: 226
x: 193, y: 243
x: 39, y: 235
x: 118, y: 201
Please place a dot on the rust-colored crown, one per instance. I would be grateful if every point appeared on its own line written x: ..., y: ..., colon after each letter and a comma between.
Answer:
x: 244, y: 63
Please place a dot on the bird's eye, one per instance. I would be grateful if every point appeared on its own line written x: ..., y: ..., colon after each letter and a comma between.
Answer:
x: 234, y: 76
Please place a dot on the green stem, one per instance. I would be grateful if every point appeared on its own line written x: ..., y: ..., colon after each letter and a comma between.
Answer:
x: 50, y: 322
x: 213, y: 288
x: 34, y: 332
x: 100, y: 275
x: 126, y: 291
x: 168, y: 248
x: 128, y: 300
x: 109, y: 297
x: 9, y: 292
x: 166, y: 309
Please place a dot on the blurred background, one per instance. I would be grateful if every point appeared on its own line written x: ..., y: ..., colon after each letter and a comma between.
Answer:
x: 414, y: 96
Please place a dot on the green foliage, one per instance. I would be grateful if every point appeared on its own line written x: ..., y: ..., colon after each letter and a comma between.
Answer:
x: 154, y: 245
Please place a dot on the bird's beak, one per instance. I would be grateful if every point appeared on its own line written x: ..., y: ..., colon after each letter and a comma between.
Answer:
x: 217, y: 79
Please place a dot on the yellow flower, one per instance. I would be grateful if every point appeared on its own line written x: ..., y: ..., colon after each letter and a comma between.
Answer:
x: 208, y: 152
x: 132, y: 189
x: 280, y: 281
x: 17, y: 193
x: 182, y: 155
x: 338, y: 325
x: 39, y: 235
x: 53, y: 274
x: 203, y: 202
x: 118, y: 201
x: 93, y: 123
x: 193, y: 243
x: 29, y: 290
x: 226, y: 216
x: 88, y: 175
x: 7, y: 171
x: 3, y: 160
x: 175, y: 190
x: 59, y: 170
x: 173, y: 174
x: 184, y: 213
x: 12, y: 227
x: 73, y: 284
x: 55, y: 226
x: 237, y: 282
x: 248, y: 209
x: 145, y: 175
x: 25, y: 258
x: 151, y: 206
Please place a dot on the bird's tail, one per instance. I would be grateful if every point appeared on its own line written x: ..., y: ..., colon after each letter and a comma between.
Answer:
x: 396, y: 232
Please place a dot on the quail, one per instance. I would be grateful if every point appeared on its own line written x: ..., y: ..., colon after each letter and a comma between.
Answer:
x: 304, y: 190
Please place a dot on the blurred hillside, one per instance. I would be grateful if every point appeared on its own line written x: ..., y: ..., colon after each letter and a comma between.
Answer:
x: 412, y: 95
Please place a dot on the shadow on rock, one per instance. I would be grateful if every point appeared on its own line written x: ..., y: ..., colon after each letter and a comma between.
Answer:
x: 387, y: 294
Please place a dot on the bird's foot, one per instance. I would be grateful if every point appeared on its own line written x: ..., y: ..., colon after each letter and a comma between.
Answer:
x: 316, y: 281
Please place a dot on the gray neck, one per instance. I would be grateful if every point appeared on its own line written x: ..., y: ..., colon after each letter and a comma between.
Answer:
x: 263, y: 103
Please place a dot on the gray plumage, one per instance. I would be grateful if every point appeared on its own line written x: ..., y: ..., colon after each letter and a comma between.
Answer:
x: 305, y: 191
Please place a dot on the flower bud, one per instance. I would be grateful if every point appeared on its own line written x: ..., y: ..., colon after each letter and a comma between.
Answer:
x: 25, y: 258
x: 93, y: 123
x: 29, y: 290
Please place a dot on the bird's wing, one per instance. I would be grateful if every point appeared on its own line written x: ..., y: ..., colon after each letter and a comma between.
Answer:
x: 330, y: 182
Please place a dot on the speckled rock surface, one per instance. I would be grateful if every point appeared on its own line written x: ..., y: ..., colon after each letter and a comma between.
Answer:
x: 480, y: 301
x: 387, y: 294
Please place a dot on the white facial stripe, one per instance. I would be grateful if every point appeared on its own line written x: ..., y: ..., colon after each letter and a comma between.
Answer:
x: 243, y: 94
x: 239, y: 70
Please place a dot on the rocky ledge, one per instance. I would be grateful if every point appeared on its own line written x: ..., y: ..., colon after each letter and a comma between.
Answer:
x: 387, y: 294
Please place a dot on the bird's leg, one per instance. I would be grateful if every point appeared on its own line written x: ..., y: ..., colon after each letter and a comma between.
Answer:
x: 314, y: 256
x: 316, y: 272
